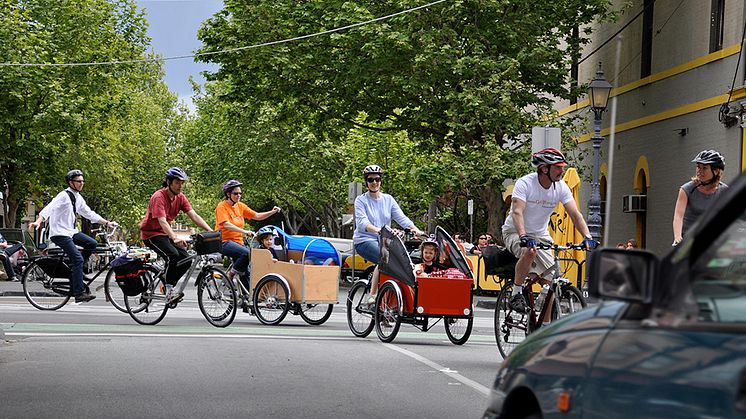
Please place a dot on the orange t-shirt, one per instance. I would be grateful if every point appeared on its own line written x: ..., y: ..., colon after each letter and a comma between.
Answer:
x: 235, y: 214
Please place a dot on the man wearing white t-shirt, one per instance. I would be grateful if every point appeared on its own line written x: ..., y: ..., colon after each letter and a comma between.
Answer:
x: 534, y: 198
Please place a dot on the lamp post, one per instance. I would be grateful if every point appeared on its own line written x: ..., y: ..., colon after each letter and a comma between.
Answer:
x: 599, y: 95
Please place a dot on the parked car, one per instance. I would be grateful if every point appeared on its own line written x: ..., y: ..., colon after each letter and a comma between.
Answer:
x: 667, y: 340
x: 215, y: 257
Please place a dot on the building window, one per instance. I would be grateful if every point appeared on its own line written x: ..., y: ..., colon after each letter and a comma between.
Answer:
x: 716, y: 25
x: 646, y: 53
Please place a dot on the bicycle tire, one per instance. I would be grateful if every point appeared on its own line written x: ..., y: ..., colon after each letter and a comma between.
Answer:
x: 359, y: 321
x: 114, y: 293
x: 511, y: 328
x: 316, y: 314
x: 43, y: 291
x: 216, y: 297
x: 458, y: 330
x: 150, y: 307
x: 271, y: 300
x: 571, y: 301
x: 387, y: 318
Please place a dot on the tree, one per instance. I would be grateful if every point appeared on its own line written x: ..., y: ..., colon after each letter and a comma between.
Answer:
x: 460, y: 78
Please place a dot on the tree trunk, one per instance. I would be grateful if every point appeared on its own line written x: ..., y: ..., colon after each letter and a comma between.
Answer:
x: 493, y: 202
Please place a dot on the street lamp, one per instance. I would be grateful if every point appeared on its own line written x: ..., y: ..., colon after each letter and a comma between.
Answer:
x: 599, y: 96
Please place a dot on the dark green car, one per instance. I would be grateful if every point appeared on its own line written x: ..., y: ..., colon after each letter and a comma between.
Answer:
x: 668, y: 340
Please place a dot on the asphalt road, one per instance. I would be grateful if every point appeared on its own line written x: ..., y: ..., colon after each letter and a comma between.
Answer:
x: 90, y: 360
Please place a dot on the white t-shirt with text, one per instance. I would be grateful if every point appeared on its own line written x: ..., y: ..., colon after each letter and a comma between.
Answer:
x: 540, y: 203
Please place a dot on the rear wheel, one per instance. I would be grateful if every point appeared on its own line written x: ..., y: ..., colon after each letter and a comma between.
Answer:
x: 113, y: 293
x: 458, y: 330
x: 216, y: 297
x: 511, y: 327
x: 387, y: 318
x: 271, y: 300
x: 359, y: 315
x: 43, y: 291
x: 316, y: 314
x: 150, y: 307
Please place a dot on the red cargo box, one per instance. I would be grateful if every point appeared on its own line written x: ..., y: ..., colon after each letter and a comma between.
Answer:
x: 449, y: 295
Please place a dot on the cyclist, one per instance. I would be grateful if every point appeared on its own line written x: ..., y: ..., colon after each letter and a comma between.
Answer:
x: 156, y: 232
x: 62, y: 213
x: 699, y: 193
x: 229, y: 220
x: 534, y: 198
x: 374, y: 210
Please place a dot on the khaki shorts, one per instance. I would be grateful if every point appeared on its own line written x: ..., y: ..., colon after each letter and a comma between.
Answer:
x: 543, y: 265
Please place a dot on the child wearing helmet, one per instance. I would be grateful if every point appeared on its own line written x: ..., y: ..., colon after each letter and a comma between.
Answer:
x: 264, y: 236
x: 429, y: 254
x: 699, y: 193
x: 230, y: 216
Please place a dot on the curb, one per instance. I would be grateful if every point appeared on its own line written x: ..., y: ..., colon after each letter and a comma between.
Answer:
x: 488, y: 304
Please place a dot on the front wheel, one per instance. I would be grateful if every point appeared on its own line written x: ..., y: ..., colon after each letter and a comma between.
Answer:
x: 113, y: 292
x: 511, y: 327
x: 150, y: 306
x: 387, y: 317
x: 43, y: 291
x: 271, y: 300
x: 459, y: 330
x: 216, y: 297
x: 571, y: 300
x: 316, y: 314
x: 359, y: 315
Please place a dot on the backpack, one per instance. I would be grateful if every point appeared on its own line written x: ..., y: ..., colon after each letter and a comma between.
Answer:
x: 129, y: 274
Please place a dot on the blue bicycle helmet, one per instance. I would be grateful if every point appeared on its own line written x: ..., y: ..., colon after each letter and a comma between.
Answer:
x: 228, y: 186
x: 263, y: 232
x: 176, y: 173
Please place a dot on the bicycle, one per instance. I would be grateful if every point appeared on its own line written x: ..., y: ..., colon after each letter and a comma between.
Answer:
x: 216, y: 295
x: 512, y: 327
x: 46, y: 279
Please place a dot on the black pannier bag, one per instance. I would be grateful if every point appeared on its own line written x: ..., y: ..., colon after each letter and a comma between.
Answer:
x: 499, y: 261
x: 206, y: 243
x: 54, y: 267
x: 129, y: 274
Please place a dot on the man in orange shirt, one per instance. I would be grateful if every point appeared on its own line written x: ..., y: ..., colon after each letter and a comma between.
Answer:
x: 229, y: 220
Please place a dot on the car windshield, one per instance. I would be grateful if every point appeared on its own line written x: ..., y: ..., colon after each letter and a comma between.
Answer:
x: 719, y: 276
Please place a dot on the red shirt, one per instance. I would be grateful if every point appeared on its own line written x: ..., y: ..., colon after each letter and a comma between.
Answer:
x: 161, y: 205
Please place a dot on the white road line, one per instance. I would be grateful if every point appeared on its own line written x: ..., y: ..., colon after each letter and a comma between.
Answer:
x: 437, y: 367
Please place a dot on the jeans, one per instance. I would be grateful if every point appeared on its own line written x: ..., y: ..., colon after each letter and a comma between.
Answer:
x: 239, y: 254
x: 172, y: 254
x: 369, y: 250
x: 5, y: 255
x: 77, y: 259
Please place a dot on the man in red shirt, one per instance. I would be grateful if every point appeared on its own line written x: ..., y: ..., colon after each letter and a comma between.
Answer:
x: 155, y: 228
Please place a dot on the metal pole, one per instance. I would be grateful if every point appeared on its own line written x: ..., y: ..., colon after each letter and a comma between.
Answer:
x: 594, y: 204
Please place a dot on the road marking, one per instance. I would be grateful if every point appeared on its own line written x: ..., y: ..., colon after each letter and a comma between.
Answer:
x: 437, y: 367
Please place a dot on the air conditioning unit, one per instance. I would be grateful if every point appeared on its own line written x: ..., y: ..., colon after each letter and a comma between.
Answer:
x: 634, y: 203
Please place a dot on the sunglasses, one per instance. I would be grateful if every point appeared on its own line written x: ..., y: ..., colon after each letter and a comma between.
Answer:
x: 236, y: 193
x: 483, y: 238
x: 78, y: 181
x: 373, y: 179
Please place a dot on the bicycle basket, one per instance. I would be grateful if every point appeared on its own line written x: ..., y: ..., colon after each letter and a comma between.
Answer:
x: 128, y: 273
x: 54, y: 267
x: 205, y: 243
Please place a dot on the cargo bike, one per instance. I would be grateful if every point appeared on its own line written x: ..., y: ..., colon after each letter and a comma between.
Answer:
x: 300, y: 275
x: 421, y: 301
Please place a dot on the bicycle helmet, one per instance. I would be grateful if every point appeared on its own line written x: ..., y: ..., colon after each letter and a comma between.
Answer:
x: 176, y: 173
x: 372, y: 169
x: 263, y: 232
x: 550, y: 156
x: 228, y: 186
x: 73, y: 174
x: 430, y: 240
x: 711, y: 157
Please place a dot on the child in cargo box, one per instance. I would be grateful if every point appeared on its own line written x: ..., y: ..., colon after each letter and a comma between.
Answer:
x: 429, y: 252
x: 265, y: 236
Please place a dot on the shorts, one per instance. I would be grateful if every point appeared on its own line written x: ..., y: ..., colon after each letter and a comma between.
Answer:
x: 369, y: 250
x: 543, y: 265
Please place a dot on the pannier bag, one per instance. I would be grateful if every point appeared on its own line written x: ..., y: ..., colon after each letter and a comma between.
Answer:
x: 129, y: 274
x: 206, y: 243
x: 54, y: 267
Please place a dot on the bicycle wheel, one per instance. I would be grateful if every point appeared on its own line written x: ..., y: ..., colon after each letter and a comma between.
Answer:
x: 359, y: 316
x: 571, y: 300
x: 511, y: 327
x: 387, y: 318
x: 316, y: 314
x: 150, y: 307
x: 216, y: 297
x: 43, y: 291
x: 271, y: 300
x: 458, y: 330
x: 113, y: 293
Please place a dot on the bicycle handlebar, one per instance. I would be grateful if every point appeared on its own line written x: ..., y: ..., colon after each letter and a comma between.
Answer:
x: 552, y: 246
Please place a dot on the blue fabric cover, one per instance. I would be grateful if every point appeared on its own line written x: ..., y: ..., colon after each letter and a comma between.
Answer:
x: 318, y: 251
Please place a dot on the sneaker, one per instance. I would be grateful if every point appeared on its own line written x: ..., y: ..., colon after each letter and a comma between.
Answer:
x: 371, y: 300
x: 84, y: 298
x: 174, y: 297
x: 518, y: 303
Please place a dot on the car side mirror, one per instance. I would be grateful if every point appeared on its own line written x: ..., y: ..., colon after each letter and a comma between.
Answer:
x: 621, y: 274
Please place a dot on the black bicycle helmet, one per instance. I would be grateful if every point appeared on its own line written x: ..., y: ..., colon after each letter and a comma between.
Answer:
x: 228, y: 186
x: 372, y: 169
x: 550, y: 156
x: 73, y: 174
x: 711, y: 157
x: 176, y: 173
